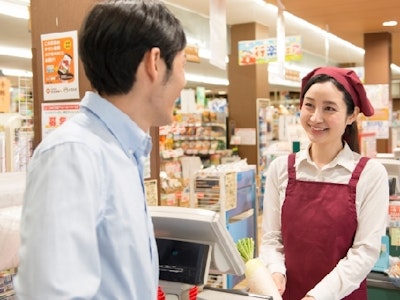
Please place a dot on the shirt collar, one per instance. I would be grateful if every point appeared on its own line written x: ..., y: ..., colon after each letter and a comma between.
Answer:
x: 131, y: 137
x: 345, y: 158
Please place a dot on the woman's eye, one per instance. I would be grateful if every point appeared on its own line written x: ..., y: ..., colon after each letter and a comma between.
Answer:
x: 330, y: 108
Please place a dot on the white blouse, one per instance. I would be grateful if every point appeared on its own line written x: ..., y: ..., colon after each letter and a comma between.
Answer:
x: 372, y: 200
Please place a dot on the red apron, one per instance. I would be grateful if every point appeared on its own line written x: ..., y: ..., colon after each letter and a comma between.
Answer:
x: 319, y: 221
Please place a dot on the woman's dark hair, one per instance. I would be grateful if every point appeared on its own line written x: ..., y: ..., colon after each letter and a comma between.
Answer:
x: 116, y: 35
x: 350, y: 135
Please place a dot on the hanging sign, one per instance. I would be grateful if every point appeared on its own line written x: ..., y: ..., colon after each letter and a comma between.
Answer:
x: 218, y: 33
x: 265, y: 51
x: 60, y: 66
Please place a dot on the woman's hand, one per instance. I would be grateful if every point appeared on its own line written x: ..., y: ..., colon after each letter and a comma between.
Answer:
x: 280, y: 282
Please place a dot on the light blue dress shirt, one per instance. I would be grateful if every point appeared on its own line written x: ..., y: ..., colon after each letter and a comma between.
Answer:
x: 85, y: 229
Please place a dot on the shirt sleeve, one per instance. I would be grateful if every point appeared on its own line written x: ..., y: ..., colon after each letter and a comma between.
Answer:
x: 59, y: 257
x: 372, y: 198
x: 271, y: 248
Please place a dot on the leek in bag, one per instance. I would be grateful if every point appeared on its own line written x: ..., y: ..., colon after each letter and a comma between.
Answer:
x: 258, y: 277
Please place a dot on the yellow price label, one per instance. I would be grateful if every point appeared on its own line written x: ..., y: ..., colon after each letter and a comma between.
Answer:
x: 394, y: 236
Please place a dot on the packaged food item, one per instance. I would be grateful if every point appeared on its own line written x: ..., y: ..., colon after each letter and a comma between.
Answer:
x: 206, y: 116
x: 394, y: 270
x: 394, y: 274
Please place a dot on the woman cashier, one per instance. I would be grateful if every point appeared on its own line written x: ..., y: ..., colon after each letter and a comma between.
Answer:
x: 325, y: 207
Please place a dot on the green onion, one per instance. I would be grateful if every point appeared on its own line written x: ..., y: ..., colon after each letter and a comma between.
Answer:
x: 245, y: 247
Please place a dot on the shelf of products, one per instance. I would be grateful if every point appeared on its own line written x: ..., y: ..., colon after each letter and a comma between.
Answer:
x: 16, y: 136
x: 6, y: 284
x: 202, y: 134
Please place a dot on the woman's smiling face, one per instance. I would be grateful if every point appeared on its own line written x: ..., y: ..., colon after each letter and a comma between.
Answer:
x: 323, y: 114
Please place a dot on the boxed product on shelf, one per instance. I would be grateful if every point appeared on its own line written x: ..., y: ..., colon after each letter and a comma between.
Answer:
x: 171, y: 189
x: 217, y: 187
x: 6, y: 284
x: 394, y: 214
x: 214, y: 191
x: 246, y: 181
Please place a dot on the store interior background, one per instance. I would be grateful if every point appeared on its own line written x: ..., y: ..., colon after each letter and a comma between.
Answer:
x: 333, y: 33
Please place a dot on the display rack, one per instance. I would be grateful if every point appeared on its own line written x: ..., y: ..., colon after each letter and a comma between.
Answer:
x: 25, y: 100
x: 15, y: 141
x: 194, y: 134
x: 199, y: 136
x: 232, y: 194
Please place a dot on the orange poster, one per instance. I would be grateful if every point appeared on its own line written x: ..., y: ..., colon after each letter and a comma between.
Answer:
x: 60, y: 66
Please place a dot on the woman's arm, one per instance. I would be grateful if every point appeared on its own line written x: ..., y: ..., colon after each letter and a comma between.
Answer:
x: 271, y: 248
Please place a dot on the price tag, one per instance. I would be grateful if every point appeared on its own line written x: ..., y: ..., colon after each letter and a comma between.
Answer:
x: 394, y: 236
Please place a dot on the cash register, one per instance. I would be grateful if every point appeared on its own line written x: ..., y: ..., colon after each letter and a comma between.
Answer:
x: 192, y: 243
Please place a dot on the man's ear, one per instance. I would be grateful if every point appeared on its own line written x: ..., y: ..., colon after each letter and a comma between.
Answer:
x: 151, y: 60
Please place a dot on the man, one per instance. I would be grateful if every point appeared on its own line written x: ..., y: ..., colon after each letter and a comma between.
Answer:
x: 86, y: 232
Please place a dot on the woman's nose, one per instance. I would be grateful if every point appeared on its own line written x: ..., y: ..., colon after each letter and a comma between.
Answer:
x: 316, y: 116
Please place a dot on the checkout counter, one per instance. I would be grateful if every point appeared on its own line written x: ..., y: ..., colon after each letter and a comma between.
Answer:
x: 380, y: 288
x: 192, y: 243
x: 379, y: 285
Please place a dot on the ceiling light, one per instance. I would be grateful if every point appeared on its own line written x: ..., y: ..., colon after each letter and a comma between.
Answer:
x: 395, y: 68
x: 17, y: 73
x: 206, y: 54
x: 14, y: 10
x: 206, y: 79
x: 16, y: 52
x: 389, y: 23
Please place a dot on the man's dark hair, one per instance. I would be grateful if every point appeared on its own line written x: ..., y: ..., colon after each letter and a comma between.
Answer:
x: 115, y: 36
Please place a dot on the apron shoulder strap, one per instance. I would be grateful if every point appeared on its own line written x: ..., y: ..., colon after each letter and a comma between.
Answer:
x: 357, y: 171
x: 291, y: 168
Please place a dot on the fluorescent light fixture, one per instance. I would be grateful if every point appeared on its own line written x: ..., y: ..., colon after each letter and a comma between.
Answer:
x: 325, y: 33
x: 395, y: 68
x: 195, y: 42
x: 389, y: 23
x: 15, y: 10
x: 316, y: 29
x: 16, y: 72
x: 16, y: 52
x: 206, y: 79
x: 206, y: 54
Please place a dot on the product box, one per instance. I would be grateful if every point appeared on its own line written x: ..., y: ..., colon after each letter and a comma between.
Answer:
x: 215, y: 190
x: 394, y: 214
x: 6, y: 285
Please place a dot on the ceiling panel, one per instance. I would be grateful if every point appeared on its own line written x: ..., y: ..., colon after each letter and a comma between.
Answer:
x: 350, y: 20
